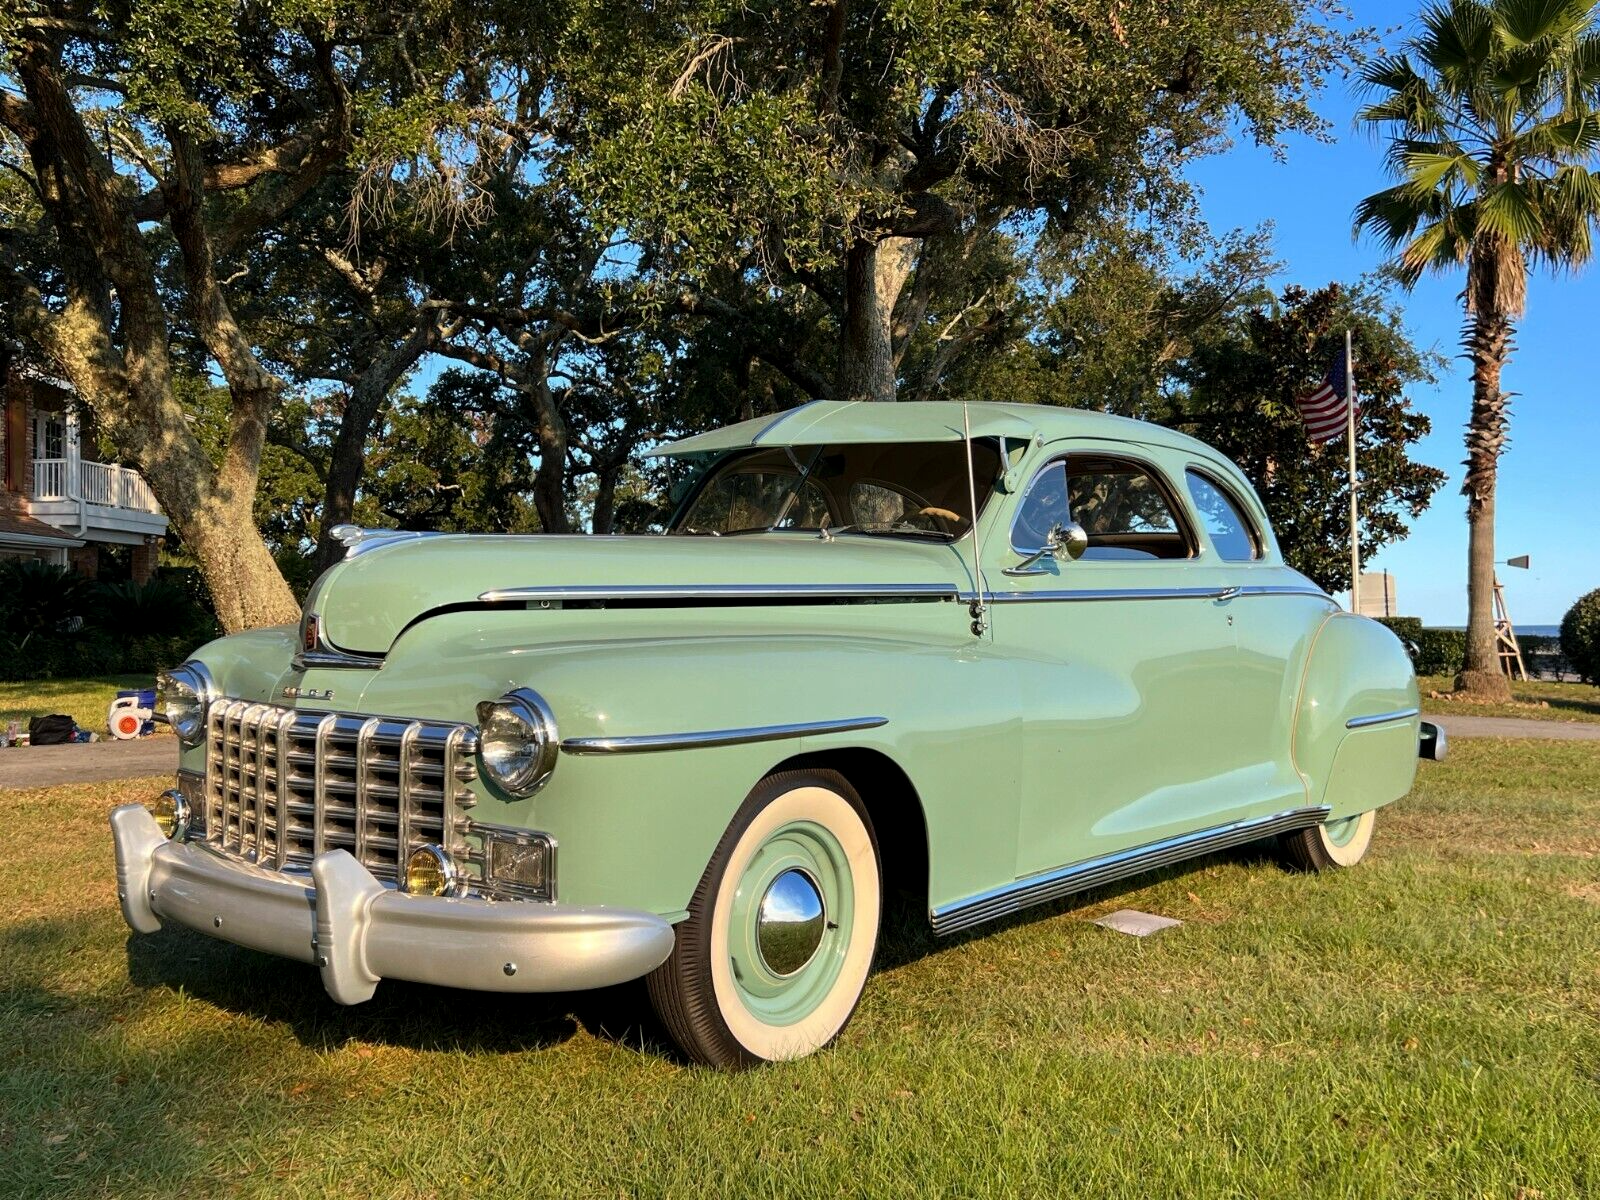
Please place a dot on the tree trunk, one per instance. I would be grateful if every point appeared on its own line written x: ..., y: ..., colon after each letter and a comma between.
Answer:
x: 875, y: 272
x: 348, y: 460
x: 605, y: 497
x: 550, y: 484
x: 1488, y: 348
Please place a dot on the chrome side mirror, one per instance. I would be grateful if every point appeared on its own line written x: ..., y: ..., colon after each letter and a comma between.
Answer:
x: 1067, y: 541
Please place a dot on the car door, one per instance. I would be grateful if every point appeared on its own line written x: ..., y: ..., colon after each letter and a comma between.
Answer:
x: 1124, y: 659
x: 1275, y: 618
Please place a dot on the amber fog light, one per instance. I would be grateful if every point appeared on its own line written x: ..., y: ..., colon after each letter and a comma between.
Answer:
x: 428, y: 872
x: 171, y: 811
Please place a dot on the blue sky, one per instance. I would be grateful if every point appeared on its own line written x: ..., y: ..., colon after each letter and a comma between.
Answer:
x: 1549, y: 477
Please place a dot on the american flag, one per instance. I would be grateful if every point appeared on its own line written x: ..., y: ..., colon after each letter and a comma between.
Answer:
x: 1326, y: 411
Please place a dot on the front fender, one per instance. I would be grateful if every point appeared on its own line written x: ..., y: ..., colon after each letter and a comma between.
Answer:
x: 1356, y: 669
x: 638, y: 829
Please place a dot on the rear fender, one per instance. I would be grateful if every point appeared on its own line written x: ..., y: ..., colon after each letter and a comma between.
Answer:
x: 1357, y: 670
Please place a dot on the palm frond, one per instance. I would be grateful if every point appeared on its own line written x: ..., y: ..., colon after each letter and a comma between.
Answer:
x: 1507, y: 211
x: 1437, y: 246
x: 1394, y: 214
x: 1570, y: 207
x: 1433, y: 165
x: 1562, y: 139
x: 1456, y: 38
x: 1520, y: 23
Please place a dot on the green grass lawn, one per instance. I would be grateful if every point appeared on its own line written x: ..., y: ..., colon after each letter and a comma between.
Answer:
x: 84, y: 700
x: 1538, y: 699
x: 1426, y: 1024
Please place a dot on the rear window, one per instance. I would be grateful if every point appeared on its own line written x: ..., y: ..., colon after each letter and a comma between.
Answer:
x: 1224, y: 519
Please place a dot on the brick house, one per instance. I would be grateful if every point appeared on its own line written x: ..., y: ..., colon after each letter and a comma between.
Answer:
x: 57, y: 503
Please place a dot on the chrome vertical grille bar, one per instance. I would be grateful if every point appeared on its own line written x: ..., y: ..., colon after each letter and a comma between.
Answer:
x: 319, y: 785
x: 264, y: 720
x: 408, y: 750
x: 280, y: 835
x: 363, y: 751
x: 233, y: 775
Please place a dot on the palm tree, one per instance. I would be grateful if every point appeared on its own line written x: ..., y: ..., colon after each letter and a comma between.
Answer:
x: 1491, y: 113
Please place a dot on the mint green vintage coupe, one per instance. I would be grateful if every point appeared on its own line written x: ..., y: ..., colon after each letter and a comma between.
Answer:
x: 704, y: 757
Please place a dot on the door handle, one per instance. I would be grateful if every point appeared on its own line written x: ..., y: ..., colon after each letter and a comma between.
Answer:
x: 1227, y: 593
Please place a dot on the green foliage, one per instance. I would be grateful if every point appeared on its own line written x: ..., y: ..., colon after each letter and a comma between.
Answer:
x: 1236, y: 389
x: 1441, y: 651
x: 1407, y: 629
x: 39, y: 600
x: 55, y: 624
x: 1580, y: 637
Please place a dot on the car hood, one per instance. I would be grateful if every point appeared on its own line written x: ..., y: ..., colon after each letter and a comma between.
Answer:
x: 365, y: 602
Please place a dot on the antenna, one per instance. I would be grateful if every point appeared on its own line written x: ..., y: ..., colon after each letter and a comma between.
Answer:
x: 980, y: 617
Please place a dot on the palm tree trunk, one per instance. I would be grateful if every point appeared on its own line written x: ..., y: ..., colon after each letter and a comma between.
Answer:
x: 1488, y: 348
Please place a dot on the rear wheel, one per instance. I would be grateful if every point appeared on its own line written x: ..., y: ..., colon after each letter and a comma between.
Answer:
x: 781, y: 932
x: 1330, y: 845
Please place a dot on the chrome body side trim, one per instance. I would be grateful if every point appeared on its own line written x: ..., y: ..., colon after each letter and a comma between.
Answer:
x: 650, y: 743
x: 726, y: 591
x: 1399, y: 714
x: 1167, y: 593
x: 872, y: 591
x: 1095, y: 872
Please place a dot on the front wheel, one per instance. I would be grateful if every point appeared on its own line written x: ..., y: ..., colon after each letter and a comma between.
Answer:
x: 781, y: 932
x: 1330, y: 845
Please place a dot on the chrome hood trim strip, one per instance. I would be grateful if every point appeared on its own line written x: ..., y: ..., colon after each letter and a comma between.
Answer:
x: 652, y: 742
x: 727, y: 591
x: 1096, y: 872
x: 1399, y: 714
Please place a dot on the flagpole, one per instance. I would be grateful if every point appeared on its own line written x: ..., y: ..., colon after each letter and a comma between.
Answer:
x: 1350, y: 436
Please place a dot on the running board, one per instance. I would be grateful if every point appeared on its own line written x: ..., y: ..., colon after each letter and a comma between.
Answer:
x: 1095, y: 872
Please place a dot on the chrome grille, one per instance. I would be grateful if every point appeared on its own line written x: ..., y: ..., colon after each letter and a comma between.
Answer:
x: 283, y: 785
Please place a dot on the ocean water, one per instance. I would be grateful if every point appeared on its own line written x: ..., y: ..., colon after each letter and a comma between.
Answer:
x: 1522, y: 630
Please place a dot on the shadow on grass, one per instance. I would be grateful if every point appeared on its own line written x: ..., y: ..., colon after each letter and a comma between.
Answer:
x: 414, y: 1016
x: 906, y: 937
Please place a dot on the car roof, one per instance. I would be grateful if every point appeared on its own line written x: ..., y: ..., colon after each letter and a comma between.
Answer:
x: 844, y: 422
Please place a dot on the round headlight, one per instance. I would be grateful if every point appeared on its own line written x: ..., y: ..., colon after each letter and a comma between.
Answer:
x: 517, y: 739
x: 428, y: 872
x: 171, y: 812
x: 181, y: 698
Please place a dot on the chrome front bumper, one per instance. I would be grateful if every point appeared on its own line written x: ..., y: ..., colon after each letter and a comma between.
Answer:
x: 358, y: 931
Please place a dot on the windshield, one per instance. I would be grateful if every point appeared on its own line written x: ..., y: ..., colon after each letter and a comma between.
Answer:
x: 906, y: 490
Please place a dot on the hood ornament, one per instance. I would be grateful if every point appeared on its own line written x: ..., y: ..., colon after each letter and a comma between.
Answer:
x: 357, y: 539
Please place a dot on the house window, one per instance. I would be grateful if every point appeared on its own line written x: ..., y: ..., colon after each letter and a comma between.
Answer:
x: 50, y: 435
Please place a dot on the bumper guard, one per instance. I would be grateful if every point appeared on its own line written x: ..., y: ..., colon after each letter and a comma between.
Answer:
x: 357, y: 930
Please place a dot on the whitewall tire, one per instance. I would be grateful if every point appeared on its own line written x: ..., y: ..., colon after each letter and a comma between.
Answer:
x: 782, y: 929
x: 1332, y: 844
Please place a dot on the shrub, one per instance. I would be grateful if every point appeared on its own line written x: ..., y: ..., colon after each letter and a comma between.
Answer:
x: 156, y: 608
x: 1407, y: 629
x: 39, y: 599
x: 1441, y: 651
x: 1580, y: 637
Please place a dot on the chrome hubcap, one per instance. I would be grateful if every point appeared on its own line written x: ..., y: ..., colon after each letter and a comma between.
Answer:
x: 790, y: 922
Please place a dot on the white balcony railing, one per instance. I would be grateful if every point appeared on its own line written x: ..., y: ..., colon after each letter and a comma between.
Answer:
x: 93, y: 483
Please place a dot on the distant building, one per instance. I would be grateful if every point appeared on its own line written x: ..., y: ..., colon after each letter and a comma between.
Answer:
x: 58, y: 504
x: 1378, y: 595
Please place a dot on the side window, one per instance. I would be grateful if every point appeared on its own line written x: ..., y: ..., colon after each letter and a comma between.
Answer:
x: 1223, y: 516
x: 1044, y: 505
x: 1124, y: 509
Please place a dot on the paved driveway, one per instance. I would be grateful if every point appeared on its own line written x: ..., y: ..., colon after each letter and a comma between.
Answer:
x: 1456, y: 725
x: 87, y: 762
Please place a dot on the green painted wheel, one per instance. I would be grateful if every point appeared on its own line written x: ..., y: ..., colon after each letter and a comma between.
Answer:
x: 791, y: 920
x: 1342, y: 833
x: 782, y: 929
